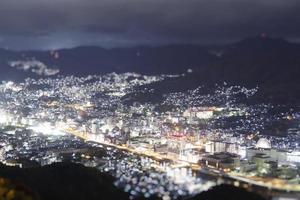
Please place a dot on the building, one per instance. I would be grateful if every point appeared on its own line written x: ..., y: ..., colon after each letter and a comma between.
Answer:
x: 216, y: 146
x: 263, y: 143
x: 246, y: 166
x: 222, y: 161
x: 191, y: 155
x: 199, y: 112
x: 264, y: 164
x: 94, y: 128
x: 293, y: 157
x: 287, y: 172
x: 260, y: 158
x: 279, y: 156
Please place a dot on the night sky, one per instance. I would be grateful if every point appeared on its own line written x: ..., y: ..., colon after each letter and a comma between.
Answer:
x: 44, y: 24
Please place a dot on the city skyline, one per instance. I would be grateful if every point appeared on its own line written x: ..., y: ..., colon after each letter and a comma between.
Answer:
x: 149, y: 99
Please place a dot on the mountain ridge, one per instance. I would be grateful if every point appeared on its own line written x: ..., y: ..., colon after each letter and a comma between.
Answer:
x: 273, y: 64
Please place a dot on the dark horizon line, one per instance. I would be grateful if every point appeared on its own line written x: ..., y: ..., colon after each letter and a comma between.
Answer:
x: 204, y: 45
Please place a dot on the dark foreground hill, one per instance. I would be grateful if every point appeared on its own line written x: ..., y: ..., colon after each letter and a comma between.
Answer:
x: 64, y: 181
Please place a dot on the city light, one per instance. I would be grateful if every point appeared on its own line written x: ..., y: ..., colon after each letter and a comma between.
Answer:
x: 47, y: 129
x: 189, y: 136
x: 4, y: 117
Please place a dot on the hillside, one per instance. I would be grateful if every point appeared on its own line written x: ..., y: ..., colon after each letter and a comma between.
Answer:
x: 270, y: 63
x: 65, y: 181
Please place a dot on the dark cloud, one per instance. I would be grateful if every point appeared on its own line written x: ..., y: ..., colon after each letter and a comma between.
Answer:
x: 59, y: 23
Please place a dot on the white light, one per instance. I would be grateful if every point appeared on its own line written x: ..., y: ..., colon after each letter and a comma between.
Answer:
x: 4, y: 117
x: 47, y: 129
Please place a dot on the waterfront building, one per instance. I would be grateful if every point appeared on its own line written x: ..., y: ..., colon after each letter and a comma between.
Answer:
x: 222, y: 161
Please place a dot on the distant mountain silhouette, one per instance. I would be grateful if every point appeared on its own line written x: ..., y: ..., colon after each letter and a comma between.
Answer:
x: 257, y: 61
x: 271, y: 63
x: 146, y: 60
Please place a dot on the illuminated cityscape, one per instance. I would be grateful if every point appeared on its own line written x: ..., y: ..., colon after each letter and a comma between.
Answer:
x: 180, y: 142
x: 149, y: 100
